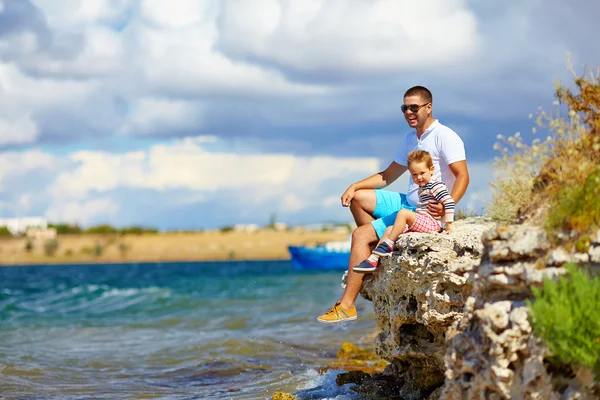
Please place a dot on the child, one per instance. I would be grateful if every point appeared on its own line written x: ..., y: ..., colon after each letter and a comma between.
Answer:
x: 421, y: 169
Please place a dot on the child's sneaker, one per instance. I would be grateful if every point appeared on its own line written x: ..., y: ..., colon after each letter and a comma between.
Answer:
x: 383, y: 250
x: 337, y: 313
x: 365, y: 266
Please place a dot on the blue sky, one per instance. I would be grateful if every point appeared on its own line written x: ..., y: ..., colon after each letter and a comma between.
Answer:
x: 187, y: 114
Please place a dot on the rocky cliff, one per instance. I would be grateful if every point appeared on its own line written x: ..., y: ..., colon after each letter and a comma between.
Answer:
x: 453, y: 318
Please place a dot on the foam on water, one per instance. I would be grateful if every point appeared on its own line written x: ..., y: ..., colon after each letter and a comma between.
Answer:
x: 181, y: 330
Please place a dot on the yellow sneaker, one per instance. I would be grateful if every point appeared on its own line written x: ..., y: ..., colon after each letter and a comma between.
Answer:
x: 337, y: 314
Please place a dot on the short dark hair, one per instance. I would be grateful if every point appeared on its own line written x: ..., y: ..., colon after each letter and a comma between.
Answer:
x: 420, y: 91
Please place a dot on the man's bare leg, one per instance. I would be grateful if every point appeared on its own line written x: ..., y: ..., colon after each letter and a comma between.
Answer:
x: 364, y: 239
x: 362, y: 208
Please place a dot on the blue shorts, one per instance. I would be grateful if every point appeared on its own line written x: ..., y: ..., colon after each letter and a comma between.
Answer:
x: 386, y: 207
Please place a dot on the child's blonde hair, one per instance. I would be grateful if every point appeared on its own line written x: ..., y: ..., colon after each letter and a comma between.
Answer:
x: 419, y: 156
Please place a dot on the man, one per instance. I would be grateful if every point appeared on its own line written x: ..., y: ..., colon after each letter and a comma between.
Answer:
x: 374, y: 209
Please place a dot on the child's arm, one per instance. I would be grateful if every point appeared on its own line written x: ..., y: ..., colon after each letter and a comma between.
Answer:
x: 440, y: 192
x: 448, y: 227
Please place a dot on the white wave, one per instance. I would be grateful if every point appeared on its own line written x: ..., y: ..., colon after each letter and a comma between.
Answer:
x: 323, y: 386
x: 128, y: 292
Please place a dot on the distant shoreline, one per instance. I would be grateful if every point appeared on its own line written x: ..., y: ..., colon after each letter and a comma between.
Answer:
x: 125, y: 262
x: 158, y: 247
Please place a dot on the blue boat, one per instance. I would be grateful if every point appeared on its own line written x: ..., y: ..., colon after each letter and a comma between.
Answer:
x: 330, y: 255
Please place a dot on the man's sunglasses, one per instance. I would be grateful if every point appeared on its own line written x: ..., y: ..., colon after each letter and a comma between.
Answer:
x: 412, y: 107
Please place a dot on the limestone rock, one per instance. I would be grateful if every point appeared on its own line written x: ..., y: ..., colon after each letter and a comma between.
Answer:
x: 417, y: 294
x: 493, y: 353
x: 454, y: 320
x: 356, y: 377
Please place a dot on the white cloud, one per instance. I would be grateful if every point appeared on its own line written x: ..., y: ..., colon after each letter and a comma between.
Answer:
x: 278, y: 62
x: 24, y: 101
x: 183, y: 61
x: 187, y: 164
x: 358, y: 36
x: 83, y: 212
x: 103, y: 54
x: 17, y: 164
x: 178, y: 14
x: 292, y: 203
x: 161, y: 115
x: 19, y: 131
x: 75, y: 13
x: 25, y: 202
x: 81, y: 186
x: 86, y: 70
x: 23, y: 92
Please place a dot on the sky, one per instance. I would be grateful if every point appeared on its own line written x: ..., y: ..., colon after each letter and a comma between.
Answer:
x: 198, y: 114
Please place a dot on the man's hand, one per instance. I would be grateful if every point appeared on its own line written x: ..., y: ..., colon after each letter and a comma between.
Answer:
x: 348, y: 196
x: 436, y: 209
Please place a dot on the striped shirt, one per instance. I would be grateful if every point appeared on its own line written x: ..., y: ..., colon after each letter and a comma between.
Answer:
x: 436, y: 190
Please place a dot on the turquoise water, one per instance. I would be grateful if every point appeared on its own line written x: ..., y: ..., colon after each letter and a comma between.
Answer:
x: 204, y: 330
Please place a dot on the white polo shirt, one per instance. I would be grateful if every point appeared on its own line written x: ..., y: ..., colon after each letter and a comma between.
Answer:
x: 445, y: 147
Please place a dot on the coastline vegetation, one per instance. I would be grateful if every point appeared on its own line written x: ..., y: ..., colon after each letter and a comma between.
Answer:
x: 567, y: 316
x: 103, y: 229
x: 555, y: 183
x: 212, y: 245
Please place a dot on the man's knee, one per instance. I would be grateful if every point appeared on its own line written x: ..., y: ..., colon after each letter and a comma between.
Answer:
x: 364, y: 200
x: 364, y: 234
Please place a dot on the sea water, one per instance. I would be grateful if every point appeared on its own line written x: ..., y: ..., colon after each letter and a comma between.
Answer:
x: 194, y: 330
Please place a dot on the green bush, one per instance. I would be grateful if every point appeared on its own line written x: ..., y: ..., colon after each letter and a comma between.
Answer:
x: 50, y: 247
x: 29, y: 246
x: 4, y: 232
x: 576, y: 206
x: 566, y: 314
x: 463, y: 213
x: 65, y: 229
x: 102, y: 229
x: 98, y: 249
x: 123, y: 249
x: 137, y: 230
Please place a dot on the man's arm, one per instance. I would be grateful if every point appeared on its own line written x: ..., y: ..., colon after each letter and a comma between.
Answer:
x: 376, y: 181
x: 461, y: 172
x: 381, y: 179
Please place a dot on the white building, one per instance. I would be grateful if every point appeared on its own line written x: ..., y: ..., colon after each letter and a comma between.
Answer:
x: 280, y: 226
x: 246, y: 228
x: 19, y: 226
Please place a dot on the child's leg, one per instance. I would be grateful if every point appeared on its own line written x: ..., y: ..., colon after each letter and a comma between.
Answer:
x: 370, y: 264
x: 404, y: 219
x: 386, y: 235
x: 384, y: 247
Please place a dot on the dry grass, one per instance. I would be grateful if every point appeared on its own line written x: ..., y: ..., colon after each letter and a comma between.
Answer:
x: 198, y: 246
x: 509, y: 197
x: 558, y: 174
